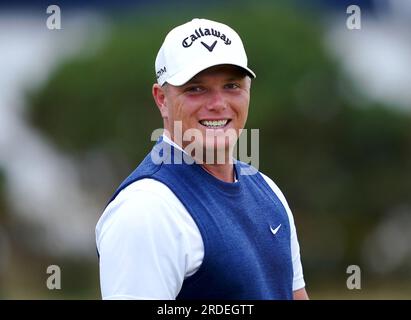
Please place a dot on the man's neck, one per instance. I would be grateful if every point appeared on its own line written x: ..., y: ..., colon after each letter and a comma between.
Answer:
x: 224, y: 172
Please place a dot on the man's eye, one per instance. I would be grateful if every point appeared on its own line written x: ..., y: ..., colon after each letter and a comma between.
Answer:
x: 231, y: 86
x: 194, y: 89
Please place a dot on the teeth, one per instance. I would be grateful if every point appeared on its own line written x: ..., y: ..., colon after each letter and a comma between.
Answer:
x: 214, y: 123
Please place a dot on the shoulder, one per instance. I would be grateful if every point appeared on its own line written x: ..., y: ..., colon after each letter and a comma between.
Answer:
x: 278, y: 193
x: 146, y: 203
x: 147, y: 186
x: 274, y: 187
x: 142, y: 243
x: 144, y: 195
x: 247, y: 169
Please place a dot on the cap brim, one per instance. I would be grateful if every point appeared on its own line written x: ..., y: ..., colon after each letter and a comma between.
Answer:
x: 184, y: 76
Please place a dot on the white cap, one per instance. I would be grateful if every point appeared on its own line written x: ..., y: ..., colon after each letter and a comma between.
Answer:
x: 195, y: 46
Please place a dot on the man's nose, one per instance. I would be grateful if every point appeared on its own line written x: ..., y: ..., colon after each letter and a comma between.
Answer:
x: 216, y: 101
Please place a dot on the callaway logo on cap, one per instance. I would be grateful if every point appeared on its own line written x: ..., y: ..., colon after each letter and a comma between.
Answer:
x: 195, y: 46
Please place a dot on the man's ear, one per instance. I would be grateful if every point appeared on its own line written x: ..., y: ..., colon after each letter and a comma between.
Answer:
x: 160, y: 99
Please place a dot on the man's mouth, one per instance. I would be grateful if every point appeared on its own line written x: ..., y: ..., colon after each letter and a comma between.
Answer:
x: 215, y: 124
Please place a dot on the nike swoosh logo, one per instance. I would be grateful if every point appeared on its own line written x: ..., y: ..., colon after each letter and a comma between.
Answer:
x: 274, y: 231
x: 208, y: 47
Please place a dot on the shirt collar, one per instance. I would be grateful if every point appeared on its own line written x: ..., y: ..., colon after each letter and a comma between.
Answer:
x: 171, y: 142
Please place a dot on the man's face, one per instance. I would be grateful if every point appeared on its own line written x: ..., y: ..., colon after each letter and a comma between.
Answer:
x: 214, y: 102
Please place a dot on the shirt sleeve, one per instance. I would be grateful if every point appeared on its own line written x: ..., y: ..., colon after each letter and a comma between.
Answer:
x: 143, y: 253
x: 298, y: 279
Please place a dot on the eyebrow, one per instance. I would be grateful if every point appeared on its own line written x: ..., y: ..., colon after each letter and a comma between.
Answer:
x: 192, y: 82
x: 239, y: 77
x: 196, y: 81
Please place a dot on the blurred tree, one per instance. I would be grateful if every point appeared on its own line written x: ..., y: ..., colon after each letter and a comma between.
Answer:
x: 2, y: 196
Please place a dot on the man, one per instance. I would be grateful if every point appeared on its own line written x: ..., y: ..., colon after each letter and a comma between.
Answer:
x: 184, y: 225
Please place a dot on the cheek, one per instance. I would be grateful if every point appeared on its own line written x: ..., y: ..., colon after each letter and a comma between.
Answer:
x: 186, y: 113
x: 245, y: 114
x: 242, y: 110
x: 176, y: 113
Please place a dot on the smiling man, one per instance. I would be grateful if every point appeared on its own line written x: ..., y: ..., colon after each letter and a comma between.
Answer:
x: 199, y: 229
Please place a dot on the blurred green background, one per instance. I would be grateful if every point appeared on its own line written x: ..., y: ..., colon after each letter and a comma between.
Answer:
x: 342, y: 160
